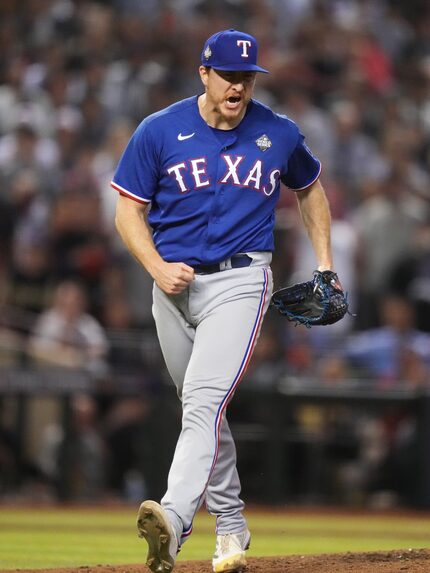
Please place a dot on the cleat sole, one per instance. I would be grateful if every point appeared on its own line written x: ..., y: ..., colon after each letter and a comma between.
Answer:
x: 152, y: 526
x: 234, y: 564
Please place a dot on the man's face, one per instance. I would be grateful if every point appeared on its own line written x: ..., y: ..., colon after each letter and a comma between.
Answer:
x: 228, y: 92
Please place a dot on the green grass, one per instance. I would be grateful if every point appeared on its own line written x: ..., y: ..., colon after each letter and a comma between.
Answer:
x: 71, y: 537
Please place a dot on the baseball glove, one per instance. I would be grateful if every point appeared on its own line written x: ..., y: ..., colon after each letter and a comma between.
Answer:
x: 319, y: 301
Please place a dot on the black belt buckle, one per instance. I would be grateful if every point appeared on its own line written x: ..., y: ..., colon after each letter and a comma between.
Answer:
x: 237, y: 262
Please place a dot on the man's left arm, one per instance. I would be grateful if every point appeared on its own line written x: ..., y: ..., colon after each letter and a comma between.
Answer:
x: 315, y: 213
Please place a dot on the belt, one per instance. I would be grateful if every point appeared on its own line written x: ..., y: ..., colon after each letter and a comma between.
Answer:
x: 235, y: 262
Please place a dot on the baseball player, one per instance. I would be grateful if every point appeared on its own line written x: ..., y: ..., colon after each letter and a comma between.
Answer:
x: 198, y: 184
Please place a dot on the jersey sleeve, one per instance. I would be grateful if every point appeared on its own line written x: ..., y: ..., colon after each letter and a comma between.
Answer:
x: 303, y: 167
x: 136, y: 175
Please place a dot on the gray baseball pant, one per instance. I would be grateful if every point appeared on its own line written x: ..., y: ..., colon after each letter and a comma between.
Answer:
x: 207, y: 335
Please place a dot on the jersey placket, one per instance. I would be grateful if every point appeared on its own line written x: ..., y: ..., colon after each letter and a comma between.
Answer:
x: 215, y: 221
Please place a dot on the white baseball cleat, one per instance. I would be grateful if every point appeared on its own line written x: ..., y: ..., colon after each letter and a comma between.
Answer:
x: 230, y: 550
x: 153, y: 525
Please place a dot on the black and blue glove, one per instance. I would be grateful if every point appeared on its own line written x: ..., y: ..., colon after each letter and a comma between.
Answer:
x: 319, y: 301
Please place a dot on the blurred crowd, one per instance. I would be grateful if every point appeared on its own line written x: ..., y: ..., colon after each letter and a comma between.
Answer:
x: 77, y: 76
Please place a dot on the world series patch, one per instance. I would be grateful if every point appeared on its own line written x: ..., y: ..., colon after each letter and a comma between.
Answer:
x: 263, y: 142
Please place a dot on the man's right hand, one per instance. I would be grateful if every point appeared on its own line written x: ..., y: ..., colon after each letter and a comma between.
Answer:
x: 173, y: 278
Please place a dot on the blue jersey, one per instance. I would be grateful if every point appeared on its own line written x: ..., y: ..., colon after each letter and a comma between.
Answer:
x: 213, y: 192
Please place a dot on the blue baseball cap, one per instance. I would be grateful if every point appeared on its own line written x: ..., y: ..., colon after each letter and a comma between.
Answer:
x: 231, y: 51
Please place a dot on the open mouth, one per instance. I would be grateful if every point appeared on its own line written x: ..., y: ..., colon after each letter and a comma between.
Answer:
x: 233, y: 102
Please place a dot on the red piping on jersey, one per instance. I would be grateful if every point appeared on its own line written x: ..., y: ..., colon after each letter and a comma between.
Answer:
x: 128, y: 194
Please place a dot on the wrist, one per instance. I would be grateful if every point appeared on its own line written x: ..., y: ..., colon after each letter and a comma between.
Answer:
x: 325, y: 267
x: 154, y: 266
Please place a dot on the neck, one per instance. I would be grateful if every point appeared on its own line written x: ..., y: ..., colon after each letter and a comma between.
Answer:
x: 213, y: 117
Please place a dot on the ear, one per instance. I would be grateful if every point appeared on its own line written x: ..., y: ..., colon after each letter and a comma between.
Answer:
x: 204, y: 74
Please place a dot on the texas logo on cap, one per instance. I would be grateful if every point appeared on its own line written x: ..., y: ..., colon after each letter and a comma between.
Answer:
x: 231, y: 50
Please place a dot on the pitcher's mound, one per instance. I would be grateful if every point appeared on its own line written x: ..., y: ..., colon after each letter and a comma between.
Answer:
x: 400, y: 561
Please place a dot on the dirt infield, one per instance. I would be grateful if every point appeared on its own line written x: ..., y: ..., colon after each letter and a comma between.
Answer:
x: 407, y: 561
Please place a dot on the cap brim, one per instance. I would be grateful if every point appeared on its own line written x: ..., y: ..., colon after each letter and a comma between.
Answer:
x: 240, y: 68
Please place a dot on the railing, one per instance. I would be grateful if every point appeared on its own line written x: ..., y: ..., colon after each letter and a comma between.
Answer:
x: 273, y: 433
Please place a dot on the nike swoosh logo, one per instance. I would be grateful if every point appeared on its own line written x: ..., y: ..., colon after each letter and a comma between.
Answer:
x: 182, y: 137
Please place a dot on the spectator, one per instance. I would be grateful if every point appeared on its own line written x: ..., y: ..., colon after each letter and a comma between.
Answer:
x: 385, y: 226
x: 24, y: 149
x: 410, y: 278
x: 103, y: 166
x: 65, y: 335
x: 30, y: 283
x: 352, y: 149
x: 76, y: 464
x: 80, y: 248
x: 394, y: 353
